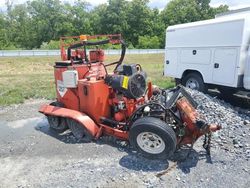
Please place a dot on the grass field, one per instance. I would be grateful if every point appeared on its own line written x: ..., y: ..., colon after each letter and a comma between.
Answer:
x: 32, y: 77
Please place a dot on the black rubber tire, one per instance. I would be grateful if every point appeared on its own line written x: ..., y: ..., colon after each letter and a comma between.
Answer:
x: 79, y: 131
x: 57, y: 124
x: 157, y: 127
x: 177, y: 81
x: 201, y: 86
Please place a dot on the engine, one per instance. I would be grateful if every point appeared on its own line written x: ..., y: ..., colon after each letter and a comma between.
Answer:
x: 129, y: 80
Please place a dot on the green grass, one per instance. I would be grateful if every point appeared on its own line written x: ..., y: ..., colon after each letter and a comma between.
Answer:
x: 32, y: 77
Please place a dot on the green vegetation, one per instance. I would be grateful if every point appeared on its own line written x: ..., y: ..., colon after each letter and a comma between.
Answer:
x: 32, y: 77
x: 51, y: 45
x: 147, y: 42
x: 40, y: 23
x: 26, y: 77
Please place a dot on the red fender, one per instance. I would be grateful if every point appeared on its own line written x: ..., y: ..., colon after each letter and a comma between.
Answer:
x: 80, y: 117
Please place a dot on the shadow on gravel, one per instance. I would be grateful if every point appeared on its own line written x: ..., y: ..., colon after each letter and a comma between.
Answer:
x: 136, y: 162
x: 132, y: 160
x: 67, y: 137
x: 236, y: 100
x: 184, y: 158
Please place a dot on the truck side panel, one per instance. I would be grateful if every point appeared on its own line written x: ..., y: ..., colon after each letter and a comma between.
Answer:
x: 199, y: 45
x: 171, y: 60
x: 225, y: 74
x: 225, y: 66
x: 195, y: 56
x: 188, y: 61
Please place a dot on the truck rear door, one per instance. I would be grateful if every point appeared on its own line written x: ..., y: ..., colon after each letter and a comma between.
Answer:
x: 224, y: 66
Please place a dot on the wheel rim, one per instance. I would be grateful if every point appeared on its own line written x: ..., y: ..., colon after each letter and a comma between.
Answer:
x: 192, y: 84
x: 150, y: 142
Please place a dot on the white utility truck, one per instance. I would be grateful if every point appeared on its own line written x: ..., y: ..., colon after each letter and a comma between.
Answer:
x: 212, y: 53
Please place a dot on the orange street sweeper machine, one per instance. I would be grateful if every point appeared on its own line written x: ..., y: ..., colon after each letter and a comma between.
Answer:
x: 92, y: 102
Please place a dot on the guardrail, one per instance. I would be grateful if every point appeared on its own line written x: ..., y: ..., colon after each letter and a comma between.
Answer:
x: 17, y: 53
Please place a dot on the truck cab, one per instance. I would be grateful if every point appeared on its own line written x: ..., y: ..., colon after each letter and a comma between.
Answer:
x: 213, y: 53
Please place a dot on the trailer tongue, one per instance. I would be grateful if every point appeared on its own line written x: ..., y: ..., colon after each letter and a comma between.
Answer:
x: 92, y: 102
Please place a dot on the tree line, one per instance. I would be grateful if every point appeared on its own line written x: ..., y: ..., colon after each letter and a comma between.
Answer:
x: 40, y: 23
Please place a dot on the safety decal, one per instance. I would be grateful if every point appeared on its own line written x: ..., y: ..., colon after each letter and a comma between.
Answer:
x: 60, y: 88
x: 125, y: 82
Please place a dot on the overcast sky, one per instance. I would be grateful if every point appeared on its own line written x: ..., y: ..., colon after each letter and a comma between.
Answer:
x: 233, y: 4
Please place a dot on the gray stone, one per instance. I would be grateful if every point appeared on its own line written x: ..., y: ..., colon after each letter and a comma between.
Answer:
x: 235, y: 141
x: 246, y: 122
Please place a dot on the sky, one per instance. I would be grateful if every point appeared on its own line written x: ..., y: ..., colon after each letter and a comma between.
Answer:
x: 233, y: 4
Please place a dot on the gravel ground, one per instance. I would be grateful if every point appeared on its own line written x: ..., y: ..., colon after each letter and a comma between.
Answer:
x: 31, y: 155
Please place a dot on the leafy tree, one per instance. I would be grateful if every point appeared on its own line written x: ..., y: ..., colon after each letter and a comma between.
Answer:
x: 204, y: 10
x: 114, y: 19
x: 19, y: 29
x: 40, y: 23
x: 49, y: 20
x: 139, y: 20
x: 51, y: 45
x: 3, y: 33
x: 158, y: 26
x: 180, y: 11
x: 97, y: 15
x: 220, y: 9
x: 183, y: 11
x: 79, y: 18
x: 147, y: 42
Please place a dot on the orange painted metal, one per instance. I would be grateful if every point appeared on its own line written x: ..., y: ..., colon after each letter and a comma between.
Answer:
x: 67, y: 41
x: 150, y: 90
x: 70, y: 96
x: 214, y: 128
x: 131, y: 106
x: 79, y: 53
x: 123, y: 135
x: 120, y: 116
x: 189, y: 116
x: 93, y: 97
x: 188, y: 113
x: 80, y: 117
x: 64, y: 95
x: 96, y: 56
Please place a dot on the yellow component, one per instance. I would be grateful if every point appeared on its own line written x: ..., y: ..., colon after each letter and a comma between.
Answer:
x: 83, y: 37
x: 125, y: 82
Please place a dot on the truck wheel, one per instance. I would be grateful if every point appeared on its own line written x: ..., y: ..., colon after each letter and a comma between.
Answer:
x: 57, y: 124
x: 79, y: 131
x: 194, y: 81
x: 153, y: 138
x: 177, y: 81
